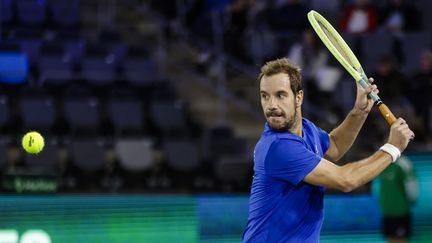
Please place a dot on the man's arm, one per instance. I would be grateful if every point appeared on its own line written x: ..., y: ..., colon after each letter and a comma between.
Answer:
x: 352, y: 175
x: 343, y: 136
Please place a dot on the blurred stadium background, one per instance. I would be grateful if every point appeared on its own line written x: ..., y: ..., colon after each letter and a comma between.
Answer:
x: 150, y: 112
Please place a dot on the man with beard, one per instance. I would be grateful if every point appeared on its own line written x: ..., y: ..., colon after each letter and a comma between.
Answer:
x: 292, y: 160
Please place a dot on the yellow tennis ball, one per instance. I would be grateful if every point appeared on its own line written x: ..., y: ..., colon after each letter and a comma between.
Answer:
x: 33, y: 142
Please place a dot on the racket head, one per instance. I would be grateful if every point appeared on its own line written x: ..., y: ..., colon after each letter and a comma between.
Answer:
x: 336, y: 44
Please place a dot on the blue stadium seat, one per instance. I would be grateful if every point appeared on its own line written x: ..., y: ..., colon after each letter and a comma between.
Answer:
x: 6, y: 8
x: 74, y: 49
x: 139, y: 69
x: 55, y: 70
x: 83, y: 115
x: 31, y: 12
x: 55, y: 66
x: 127, y: 115
x: 37, y: 113
x: 31, y: 47
x: 65, y: 13
x: 168, y: 116
x: 98, y: 69
x: 14, y: 67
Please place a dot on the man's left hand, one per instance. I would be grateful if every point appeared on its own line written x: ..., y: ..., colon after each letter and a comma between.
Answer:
x: 363, y: 103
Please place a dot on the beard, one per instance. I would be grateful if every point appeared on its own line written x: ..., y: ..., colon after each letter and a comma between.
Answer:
x: 287, y: 125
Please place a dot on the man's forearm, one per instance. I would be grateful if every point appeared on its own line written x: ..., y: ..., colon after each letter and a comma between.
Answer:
x: 344, y: 135
x: 363, y: 171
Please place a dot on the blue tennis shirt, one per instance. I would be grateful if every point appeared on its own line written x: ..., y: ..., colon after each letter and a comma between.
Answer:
x: 282, y: 207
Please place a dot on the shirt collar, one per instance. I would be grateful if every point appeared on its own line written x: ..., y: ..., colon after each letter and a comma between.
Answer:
x: 268, y: 129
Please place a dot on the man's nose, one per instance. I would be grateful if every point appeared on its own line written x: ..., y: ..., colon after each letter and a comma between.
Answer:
x: 271, y: 105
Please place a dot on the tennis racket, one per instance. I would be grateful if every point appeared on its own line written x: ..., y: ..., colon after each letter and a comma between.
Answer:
x: 342, y: 52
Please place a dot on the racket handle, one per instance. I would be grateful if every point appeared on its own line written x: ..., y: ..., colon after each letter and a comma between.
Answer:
x: 387, y: 114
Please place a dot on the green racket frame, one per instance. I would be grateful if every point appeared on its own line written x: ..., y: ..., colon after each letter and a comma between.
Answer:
x: 354, y: 69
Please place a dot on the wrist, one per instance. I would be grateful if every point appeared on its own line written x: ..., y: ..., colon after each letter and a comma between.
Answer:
x: 394, y: 152
x: 359, y: 112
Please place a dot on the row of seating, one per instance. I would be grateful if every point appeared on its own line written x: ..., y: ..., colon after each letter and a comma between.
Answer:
x: 79, y: 112
x: 56, y: 63
x: 64, y: 14
x: 133, y: 160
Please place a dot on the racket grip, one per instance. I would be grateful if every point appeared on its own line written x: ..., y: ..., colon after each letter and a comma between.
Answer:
x: 387, y: 114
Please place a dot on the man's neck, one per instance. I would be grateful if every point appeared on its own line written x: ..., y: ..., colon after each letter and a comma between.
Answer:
x: 298, y: 127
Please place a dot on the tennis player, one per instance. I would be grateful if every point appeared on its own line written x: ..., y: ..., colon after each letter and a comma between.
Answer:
x: 293, y: 160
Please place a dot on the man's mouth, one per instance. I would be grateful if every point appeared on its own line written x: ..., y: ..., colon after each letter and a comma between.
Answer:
x: 274, y: 115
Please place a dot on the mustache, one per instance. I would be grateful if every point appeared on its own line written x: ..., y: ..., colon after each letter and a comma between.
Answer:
x: 274, y: 113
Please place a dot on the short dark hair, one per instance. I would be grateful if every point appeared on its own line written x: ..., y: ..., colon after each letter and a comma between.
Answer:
x: 284, y: 65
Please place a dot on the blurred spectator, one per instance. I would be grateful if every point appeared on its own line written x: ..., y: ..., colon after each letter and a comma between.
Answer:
x: 359, y: 17
x: 398, y: 191
x: 392, y: 81
x: 399, y: 16
x: 313, y: 58
x: 421, y: 89
x: 393, y: 86
x: 238, y: 13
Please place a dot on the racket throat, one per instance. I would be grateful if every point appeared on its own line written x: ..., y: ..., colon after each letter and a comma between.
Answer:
x: 378, y: 102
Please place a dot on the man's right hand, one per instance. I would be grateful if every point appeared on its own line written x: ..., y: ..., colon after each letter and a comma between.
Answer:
x: 400, y: 134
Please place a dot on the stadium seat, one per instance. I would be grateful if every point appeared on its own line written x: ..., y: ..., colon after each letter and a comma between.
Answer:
x: 65, y: 14
x: 221, y: 141
x: 116, y: 46
x: 139, y: 69
x: 134, y: 154
x: 30, y: 41
x: 6, y: 9
x: 73, y: 48
x: 31, y: 12
x: 37, y: 113
x: 47, y: 159
x: 127, y: 115
x: 83, y: 115
x: 87, y: 155
x: 55, y: 67
x: 181, y: 155
x: 98, y: 66
x: 168, y: 116
x: 234, y: 170
x: 14, y: 67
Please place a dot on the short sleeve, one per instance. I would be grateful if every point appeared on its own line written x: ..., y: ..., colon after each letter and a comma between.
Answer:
x: 290, y: 160
x: 324, y: 139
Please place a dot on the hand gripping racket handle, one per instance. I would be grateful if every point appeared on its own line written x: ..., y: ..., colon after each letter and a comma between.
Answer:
x: 386, y: 113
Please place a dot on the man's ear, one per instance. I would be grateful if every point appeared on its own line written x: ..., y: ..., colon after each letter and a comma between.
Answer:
x: 299, y: 98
